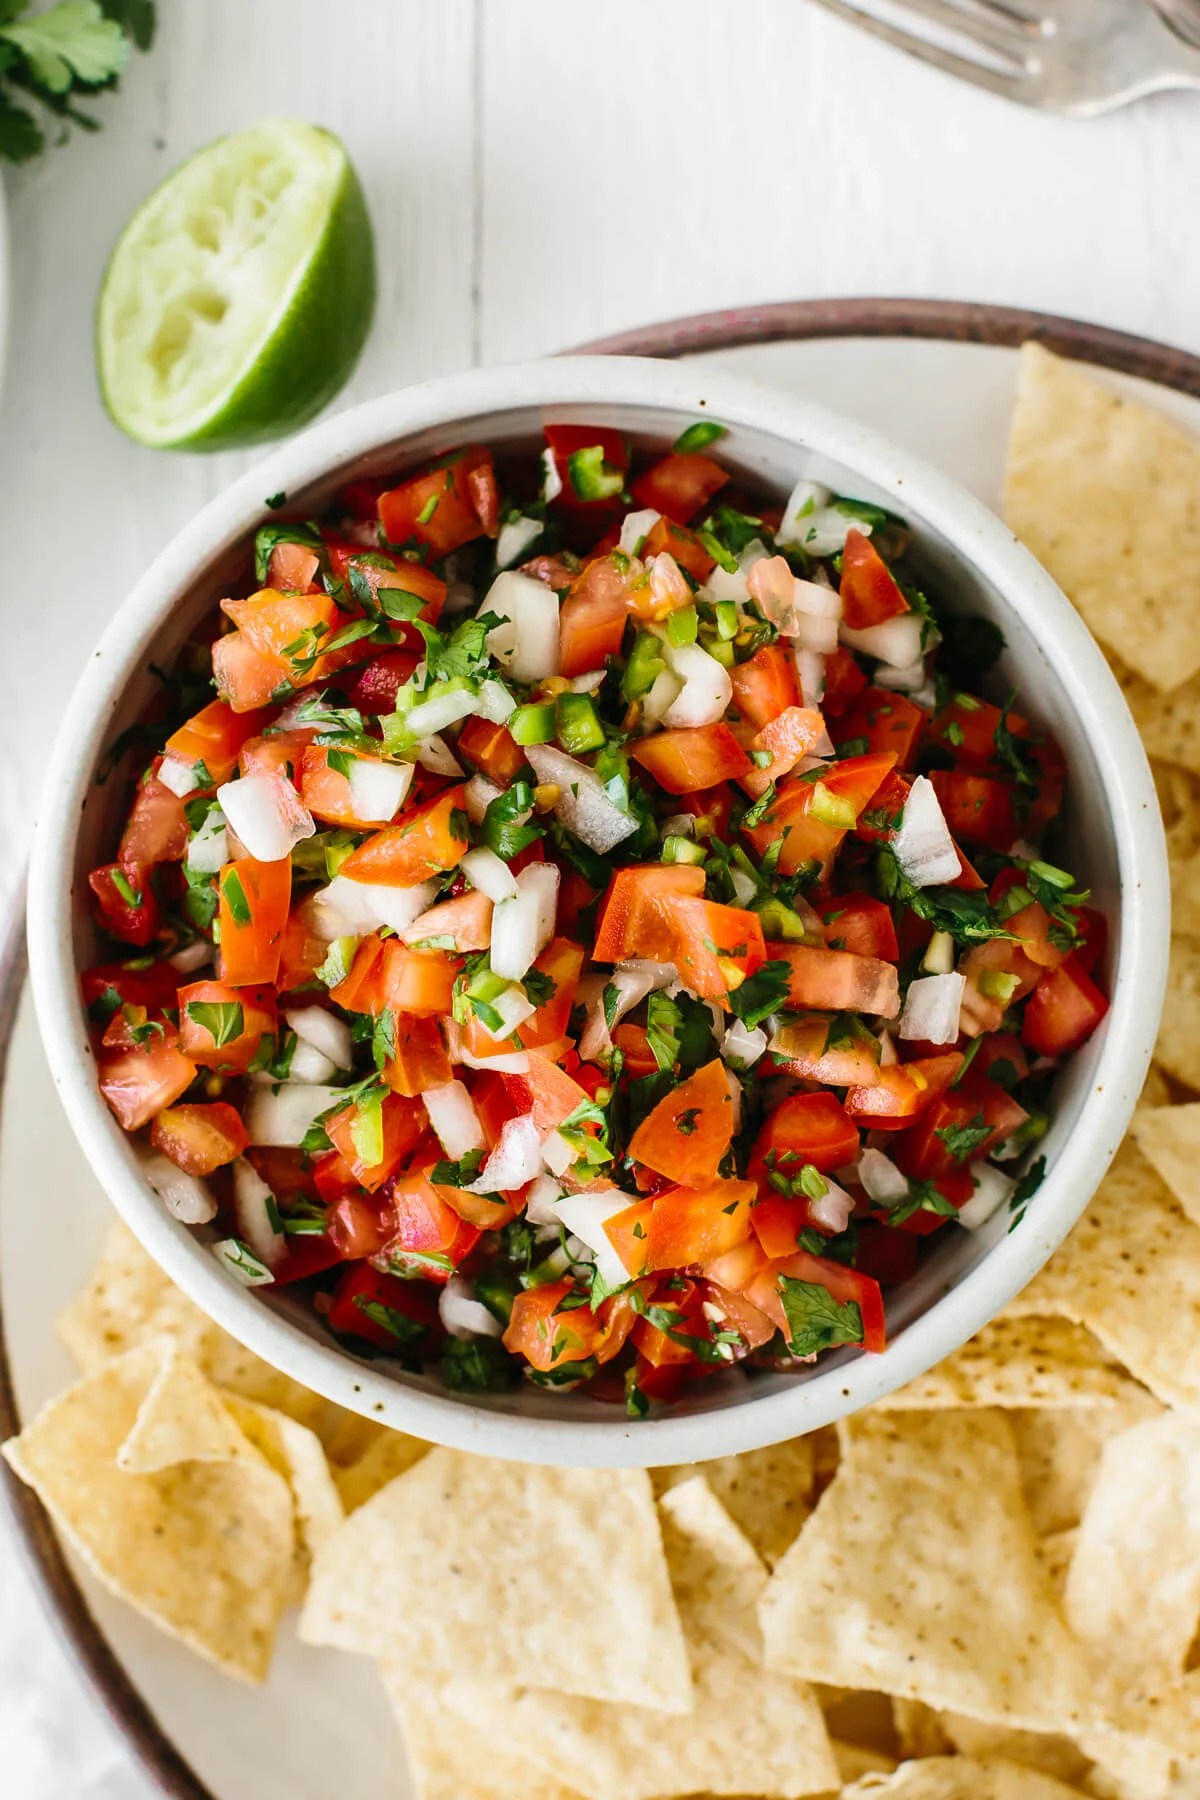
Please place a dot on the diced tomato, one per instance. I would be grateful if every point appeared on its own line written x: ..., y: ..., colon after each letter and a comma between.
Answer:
x: 822, y: 980
x: 869, y: 591
x: 790, y: 817
x: 683, y: 1301
x: 847, y: 1286
x: 564, y: 442
x: 279, y: 754
x: 902, y: 1091
x: 108, y: 986
x: 246, y: 678
x: 222, y: 1027
x: 968, y: 727
x: 360, y: 1224
x: 888, y: 1256
x: 634, y: 913
x: 214, y: 736
x: 348, y: 562
x: 766, y: 685
x: 157, y: 829
x: 885, y: 721
x: 634, y: 1045
x: 793, y: 735
x: 682, y: 544
x: 778, y: 1221
x: 125, y: 903
x: 546, y: 1092
x: 881, y: 820
x: 491, y: 749
x: 592, y: 617
x: 199, y: 1138
x: 802, y: 1048
x: 431, y: 840
x: 550, y: 1338
x: 998, y: 974
x: 334, y: 1179
x: 431, y: 1239
x: 804, y: 1128
x: 698, y: 757
x: 862, y: 925
x: 714, y: 947
x: 462, y: 924
x: 419, y: 1061
x: 292, y: 567
x: 403, y: 1123
x: 691, y: 1128
x: 302, y: 949
x: 978, y: 809
x: 327, y: 791
x: 386, y: 973
x: 369, y: 1304
x: 951, y: 1133
x: 445, y: 507
x: 253, y: 915
x: 289, y: 627
x: 1063, y: 1011
x: 140, y: 1081
x: 679, y: 485
x: 1093, y: 929
x: 376, y: 684
x: 844, y: 681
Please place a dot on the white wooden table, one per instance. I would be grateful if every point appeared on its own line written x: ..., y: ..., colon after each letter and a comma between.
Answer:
x: 539, y: 172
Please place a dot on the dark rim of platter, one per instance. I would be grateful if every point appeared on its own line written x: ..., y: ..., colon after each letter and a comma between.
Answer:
x: 948, y: 320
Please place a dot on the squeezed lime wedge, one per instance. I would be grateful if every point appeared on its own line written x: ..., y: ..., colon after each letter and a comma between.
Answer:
x: 240, y: 293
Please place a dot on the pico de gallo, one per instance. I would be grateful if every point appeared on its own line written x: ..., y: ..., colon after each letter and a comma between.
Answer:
x: 577, y: 920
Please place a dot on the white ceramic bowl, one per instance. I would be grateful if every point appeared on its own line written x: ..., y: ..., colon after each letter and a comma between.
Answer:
x: 972, y: 562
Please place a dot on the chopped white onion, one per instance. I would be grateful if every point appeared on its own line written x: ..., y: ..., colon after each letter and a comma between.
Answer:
x: 325, y: 1031
x: 526, y: 644
x: 632, y: 982
x: 722, y: 584
x: 558, y: 1155
x: 185, y: 1196
x: 661, y: 695
x: 587, y: 684
x: 586, y: 1215
x: 743, y: 1044
x: 515, y: 538
x: 931, y: 1009
x: 805, y: 498
x: 541, y: 1202
x: 514, y: 1007
x: 193, y: 956
x: 889, y: 1056
x: 902, y: 681
x: 551, y: 479
x: 582, y: 804
x: 346, y: 906
x: 707, y: 689
x: 485, y: 871
x: 478, y: 796
x: 308, y: 1064
x: 279, y: 1117
x: 252, y: 1206
x: 238, y: 1260
x: 993, y: 1189
x: 378, y: 789
x: 451, y: 1112
x: 818, y: 636
x: 636, y: 528
x: 897, y: 641
x: 208, y: 848
x: 923, y: 846
x: 267, y: 814
x: 810, y: 669
x: 817, y: 599
x: 516, y: 1159
x: 463, y: 1315
x: 823, y: 532
x: 180, y: 777
x: 881, y: 1180
x: 509, y: 1062
x: 833, y: 1208
x: 524, y: 925
x: 435, y: 754
x: 495, y: 702
x: 433, y: 715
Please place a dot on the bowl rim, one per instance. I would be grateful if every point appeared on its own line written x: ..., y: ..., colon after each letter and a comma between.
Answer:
x: 981, y: 542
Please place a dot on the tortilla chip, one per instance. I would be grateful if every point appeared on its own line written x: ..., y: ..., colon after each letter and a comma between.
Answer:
x: 1171, y: 1718
x: 1175, y: 1050
x: 1023, y: 1361
x: 1130, y: 1272
x: 1046, y: 1752
x: 1156, y: 1089
x: 391, y: 1454
x: 751, y: 1731
x: 467, y: 1558
x: 1169, y: 1138
x: 130, y: 1302
x: 203, y: 1548
x: 919, y: 1730
x: 1059, y: 1454
x: 1178, y: 792
x: 858, y: 1717
x: 180, y: 1420
x: 767, y: 1493
x: 1133, y: 1586
x: 918, y: 1575
x: 297, y: 1454
x: 450, y: 1760
x: 1106, y: 493
x: 1168, y: 724
x: 1054, y: 1553
x: 853, y: 1761
x: 961, y: 1778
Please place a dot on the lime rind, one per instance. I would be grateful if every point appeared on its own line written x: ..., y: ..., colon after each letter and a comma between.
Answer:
x: 239, y: 296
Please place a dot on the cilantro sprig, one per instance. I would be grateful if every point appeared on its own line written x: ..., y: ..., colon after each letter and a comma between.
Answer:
x: 56, y: 58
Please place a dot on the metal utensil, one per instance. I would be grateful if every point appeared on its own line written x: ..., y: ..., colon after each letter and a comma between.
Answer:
x: 1079, y: 57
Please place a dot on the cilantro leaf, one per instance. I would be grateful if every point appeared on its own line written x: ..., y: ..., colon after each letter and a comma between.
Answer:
x: 478, y: 1365
x: 962, y: 1140
x: 463, y: 654
x: 764, y: 992
x: 967, y: 915
x: 71, y: 42
x: 815, y: 1320
x: 499, y: 830
x: 292, y: 531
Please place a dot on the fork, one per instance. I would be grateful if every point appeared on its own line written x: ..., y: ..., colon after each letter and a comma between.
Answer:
x: 1079, y: 57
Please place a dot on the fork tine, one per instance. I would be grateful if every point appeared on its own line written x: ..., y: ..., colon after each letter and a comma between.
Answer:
x: 997, y: 81
x: 978, y: 23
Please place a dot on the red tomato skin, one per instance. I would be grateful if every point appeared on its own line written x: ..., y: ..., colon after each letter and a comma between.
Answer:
x: 862, y: 925
x: 359, y: 1281
x: 201, y: 1138
x: 887, y: 720
x: 684, y: 760
x: 679, y: 485
x: 978, y: 809
x: 439, y: 509
x: 376, y: 684
x: 869, y: 591
x: 765, y: 685
x: 804, y: 1128
x: 157, y: 829
x: 133, y: 924
x: 1063, y: 1010
x: 250, y: 950
x: 844, y: 681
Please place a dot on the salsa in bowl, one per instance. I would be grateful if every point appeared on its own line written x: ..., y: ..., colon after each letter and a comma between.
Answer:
x: 612, y: 926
